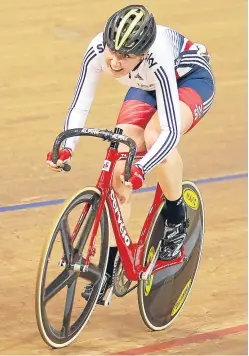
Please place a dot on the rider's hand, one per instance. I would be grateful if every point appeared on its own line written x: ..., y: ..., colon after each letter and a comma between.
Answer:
x: 137, y: 178
x: 64, y: 157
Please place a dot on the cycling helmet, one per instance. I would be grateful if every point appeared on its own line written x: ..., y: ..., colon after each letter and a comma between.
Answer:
x: 131, y: 30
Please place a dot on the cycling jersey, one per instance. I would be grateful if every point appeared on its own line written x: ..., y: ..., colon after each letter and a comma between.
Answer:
x: 171, y: 57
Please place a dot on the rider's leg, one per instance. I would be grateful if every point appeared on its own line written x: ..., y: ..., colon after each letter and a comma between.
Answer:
x: 170, y: 170
x: 170, y: 177
x: 122, y: 192
x: 196, y: 97
x: 135, y: 113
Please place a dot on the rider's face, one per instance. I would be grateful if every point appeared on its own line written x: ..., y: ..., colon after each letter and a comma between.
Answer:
x: 118, y: 64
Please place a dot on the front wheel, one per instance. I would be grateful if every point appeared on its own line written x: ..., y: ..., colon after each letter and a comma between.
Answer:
x: 162, y: 297
x: 61, y: 312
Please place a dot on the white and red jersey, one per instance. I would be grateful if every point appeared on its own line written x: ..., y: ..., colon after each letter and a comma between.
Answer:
x: 158, y: 71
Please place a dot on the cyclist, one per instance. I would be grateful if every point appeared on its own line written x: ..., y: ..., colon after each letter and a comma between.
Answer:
x: 165, y: 72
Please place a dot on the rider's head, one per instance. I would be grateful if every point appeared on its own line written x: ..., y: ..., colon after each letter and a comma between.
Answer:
x: 128, y: 35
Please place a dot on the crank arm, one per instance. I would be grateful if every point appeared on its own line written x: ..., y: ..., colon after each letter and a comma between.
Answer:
x: 107, y: 301
x: 109, y: 297
x: 131, y: 289
x: 145, y: 275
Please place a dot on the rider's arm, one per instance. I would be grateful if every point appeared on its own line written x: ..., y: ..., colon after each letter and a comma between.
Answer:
x: 167, y: 104
x: 85, y: 89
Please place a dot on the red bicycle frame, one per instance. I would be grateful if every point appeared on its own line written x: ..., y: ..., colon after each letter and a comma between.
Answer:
x: 131, y: 254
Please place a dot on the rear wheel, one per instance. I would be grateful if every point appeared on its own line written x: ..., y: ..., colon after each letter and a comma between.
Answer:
x: 162, y: 297
x: 61, y: 312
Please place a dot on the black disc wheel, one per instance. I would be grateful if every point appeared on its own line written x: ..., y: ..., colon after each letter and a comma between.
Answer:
x: 163, y: 295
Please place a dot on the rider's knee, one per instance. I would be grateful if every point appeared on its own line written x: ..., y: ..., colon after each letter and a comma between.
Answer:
x: 150, y: 138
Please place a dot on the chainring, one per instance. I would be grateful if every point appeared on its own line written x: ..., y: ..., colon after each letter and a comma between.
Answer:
x: 121, y: 284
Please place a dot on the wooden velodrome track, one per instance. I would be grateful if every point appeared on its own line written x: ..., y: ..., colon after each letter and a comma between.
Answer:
x: 42, y: 43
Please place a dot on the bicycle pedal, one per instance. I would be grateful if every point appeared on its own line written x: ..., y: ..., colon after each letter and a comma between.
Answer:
x: 106, y: 302
x: 101, y: 302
